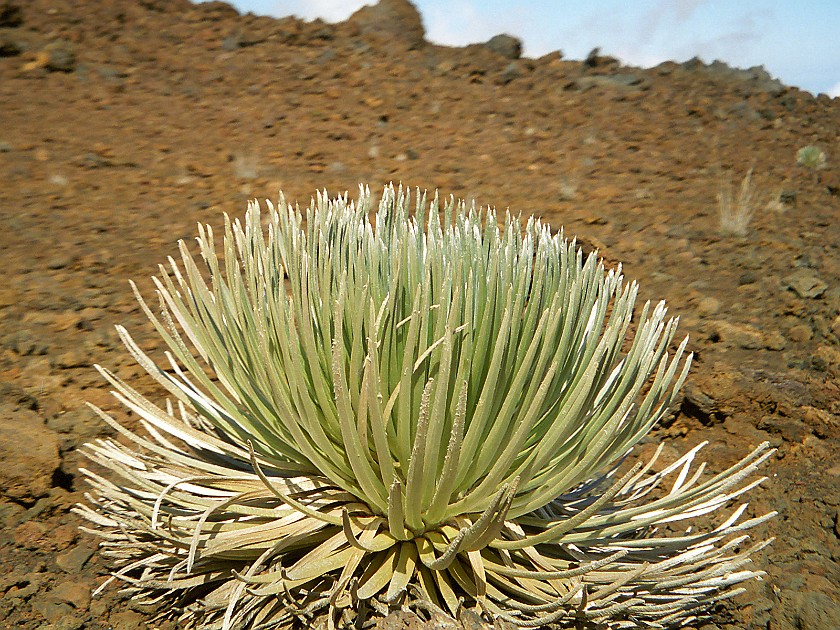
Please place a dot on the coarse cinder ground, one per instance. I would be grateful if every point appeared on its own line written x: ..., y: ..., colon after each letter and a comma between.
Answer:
x: 124, y: 123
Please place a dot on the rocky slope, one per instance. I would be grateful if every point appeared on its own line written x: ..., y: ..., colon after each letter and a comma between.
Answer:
x: 124, y: 123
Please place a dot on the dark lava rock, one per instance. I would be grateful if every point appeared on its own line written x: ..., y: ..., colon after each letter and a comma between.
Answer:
x: 757, y: 76
x: 394, y: 21
x: 75, y: 558
x: 9, y: 45
x: 512, y: 71
x: 624, y: 80
x: 806, y: 610
x: 596, y: 60
x: 215, y: 11
x: 805, y: 284
x: 60, y: 57
x: 505, y: 45
x: 25, y: 478
x: 10, y: 14
x: 16, y: 41
x: 698, y: 404
x: 789, y: 429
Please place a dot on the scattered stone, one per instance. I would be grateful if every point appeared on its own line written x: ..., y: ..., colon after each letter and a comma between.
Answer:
x: 20, y: 585
x: 821, y: 421
x: 507, y: 46
x: 126, y: 620
x: 780, y: 387
x: 57, y: 57
x: 230, y: 43
x: 757, y: 77
x: 392, y: 21
x: 99, y: 607
x: 74, y: 559
x: 29, y: 535
x: 10, y: 44
x: 77, y: 426
x: 77, y: 594
x: 788, y: 197
x: 29, y: 456
x: 806, y: 610
x: 774, y: 340
x: 71, y: 622
x: 827, y: 358
x: 820, y: 326
x: 738, y: 335
x: 73, y: 358
x: 58, y: 180
x: 595, y: 59
x: 325, y: 33
x: 741, y: 110
x: 445, y: 67
x: 805, y: 260
x: 10, y: 514
x: 51, y: 610
x: 94, y: 160
x: 14, y: 397
x: 832, y: 299
x: 82, y: 422
x: 110, y: 73
x: 11, y: 15
x: 805, y: 284
x: 65, y: 535
x: 238, y: 40
x: 61, y: 261
x: 789, y: 429
x: 623, y: 81
x: 215, y: 11
x: 708, y: 306
x: 512, y: 71
x: 41, y: 506
x: 698, y: 404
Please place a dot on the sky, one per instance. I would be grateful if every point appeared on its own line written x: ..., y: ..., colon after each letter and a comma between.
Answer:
x: 797, y: 42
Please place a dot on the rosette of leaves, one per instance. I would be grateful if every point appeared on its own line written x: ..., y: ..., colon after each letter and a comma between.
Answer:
x: 427, y: 410
x: 811, y: 157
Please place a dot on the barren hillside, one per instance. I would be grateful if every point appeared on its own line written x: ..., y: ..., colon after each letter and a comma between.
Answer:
x: 123, y: 123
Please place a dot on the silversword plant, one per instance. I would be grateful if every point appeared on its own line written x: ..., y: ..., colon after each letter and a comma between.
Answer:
x: 424, y: 409
x: 811, y: 157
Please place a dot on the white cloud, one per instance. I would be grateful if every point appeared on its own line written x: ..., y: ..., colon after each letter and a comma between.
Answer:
x: 674, y: 29
x: 834, y: 91
x: 462, y: 22
x: 672, y: 12
x: 329, y: 10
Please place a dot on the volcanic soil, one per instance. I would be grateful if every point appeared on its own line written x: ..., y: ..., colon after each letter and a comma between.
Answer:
x: 123, y: 123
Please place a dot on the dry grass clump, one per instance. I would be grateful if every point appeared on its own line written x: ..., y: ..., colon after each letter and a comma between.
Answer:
x: 736, y: 210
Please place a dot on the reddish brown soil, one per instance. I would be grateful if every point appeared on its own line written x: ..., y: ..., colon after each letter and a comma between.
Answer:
x: 123, y: 123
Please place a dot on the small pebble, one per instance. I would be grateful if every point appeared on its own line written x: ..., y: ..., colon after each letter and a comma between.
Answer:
x: 708, y: 306
x: 800, y: 333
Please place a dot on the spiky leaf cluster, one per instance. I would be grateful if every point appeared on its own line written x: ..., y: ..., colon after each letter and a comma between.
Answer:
x: 425, y: 409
